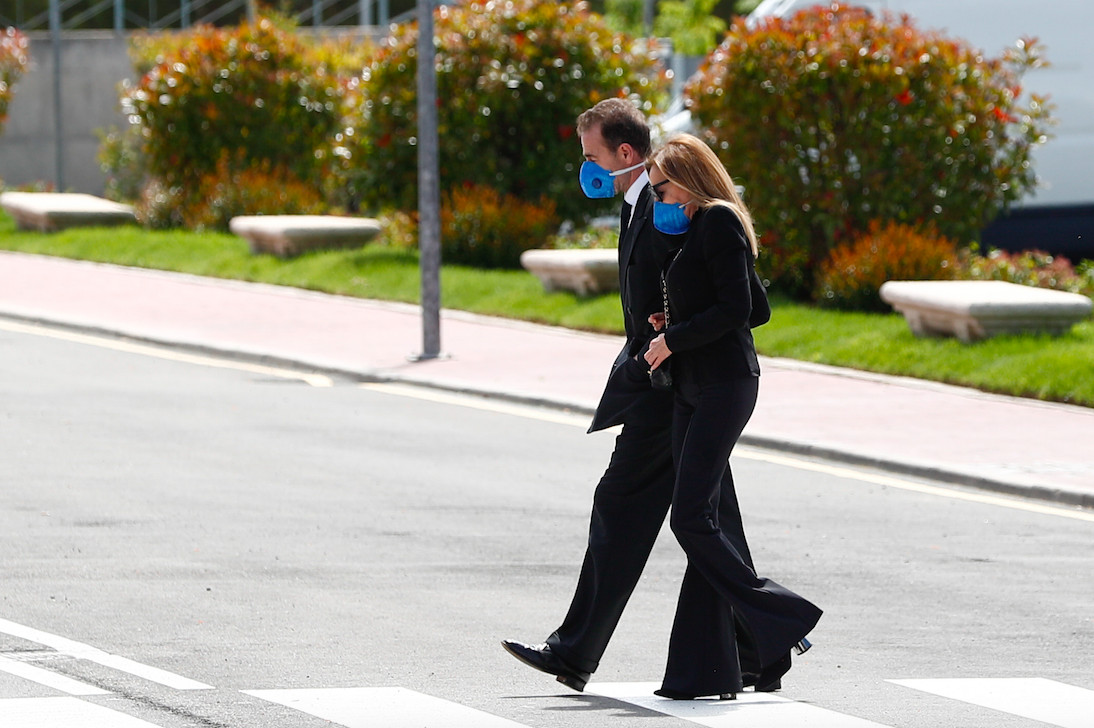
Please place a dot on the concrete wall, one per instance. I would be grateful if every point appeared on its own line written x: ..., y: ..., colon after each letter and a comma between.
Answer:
x: 93, y: 63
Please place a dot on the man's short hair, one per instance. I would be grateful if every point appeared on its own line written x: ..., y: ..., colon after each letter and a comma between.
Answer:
x: 620, y: 122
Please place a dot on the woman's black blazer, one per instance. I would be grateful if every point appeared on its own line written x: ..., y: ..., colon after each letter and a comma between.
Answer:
x: 710, y: 301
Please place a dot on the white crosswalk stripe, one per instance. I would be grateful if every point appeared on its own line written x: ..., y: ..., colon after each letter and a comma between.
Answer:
x: 79, y: 650
x: 388, y: 707
x: 1049, y: 702
x: 754, y: 710
x: 1035, y: 698
x: 63, y: 713
x: 47, y: 677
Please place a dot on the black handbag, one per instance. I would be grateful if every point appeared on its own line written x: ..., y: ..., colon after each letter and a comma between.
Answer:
x: 761, y: 308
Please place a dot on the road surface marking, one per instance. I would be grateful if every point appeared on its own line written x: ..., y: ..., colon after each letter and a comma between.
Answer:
x: 86, y: 652
x: 480, y: 402
x: 387, y: 707
x: 48, y: 678
x: 582, y: 421
x: 63, y: 713
x: 315, y: 380
x: 751, y: 710
x: 1035, y: 698
x: 879, y: 479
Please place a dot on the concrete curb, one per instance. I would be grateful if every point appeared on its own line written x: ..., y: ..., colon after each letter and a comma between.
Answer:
x: 1061, y: 496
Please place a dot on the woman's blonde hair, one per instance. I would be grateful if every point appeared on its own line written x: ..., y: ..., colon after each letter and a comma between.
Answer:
x: 691, y: 165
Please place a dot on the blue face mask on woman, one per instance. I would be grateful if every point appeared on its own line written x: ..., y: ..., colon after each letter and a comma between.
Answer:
x: 597, y: 182
x: 670, y: 218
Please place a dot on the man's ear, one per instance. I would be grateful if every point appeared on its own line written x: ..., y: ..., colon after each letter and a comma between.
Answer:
x: 626, y: 151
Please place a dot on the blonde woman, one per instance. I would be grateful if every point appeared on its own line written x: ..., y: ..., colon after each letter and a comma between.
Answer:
x: 726, y: 616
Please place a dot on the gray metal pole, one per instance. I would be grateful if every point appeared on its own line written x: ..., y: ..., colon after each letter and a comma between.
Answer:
x: 119, y: 16
x: 58, y: 111
x: 385, y: 12
x: 364, y: 12
x: 184, y: 14
x: 429, y: 187
x: 316, y: 13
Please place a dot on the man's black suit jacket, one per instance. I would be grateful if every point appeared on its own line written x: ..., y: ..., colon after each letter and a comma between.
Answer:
x: 628, y: 396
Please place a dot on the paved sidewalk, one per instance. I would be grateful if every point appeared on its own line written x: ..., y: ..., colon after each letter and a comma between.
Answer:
x: 960, y: 435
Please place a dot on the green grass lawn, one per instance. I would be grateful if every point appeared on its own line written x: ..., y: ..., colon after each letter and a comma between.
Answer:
x: 1051, y: 368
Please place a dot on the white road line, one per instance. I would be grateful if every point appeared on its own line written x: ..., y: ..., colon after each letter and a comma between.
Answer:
x: 86, y: 652
x: 315, y: 380
x: 1035, y: 698
x: 387, y: 707
x: 749, y: 710
x: 48, y: 678
x: 582, y: 421
x: 63, y: 713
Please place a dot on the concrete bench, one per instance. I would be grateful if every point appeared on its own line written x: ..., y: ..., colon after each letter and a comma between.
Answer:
x: 52, y: 211
x: 582, y: 271
x: 972, y: 310
x: 289, y: 235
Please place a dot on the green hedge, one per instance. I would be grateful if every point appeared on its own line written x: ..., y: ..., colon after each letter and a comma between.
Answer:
x: 512, y: 78
x: 834, y: 118
x: 213, y: 104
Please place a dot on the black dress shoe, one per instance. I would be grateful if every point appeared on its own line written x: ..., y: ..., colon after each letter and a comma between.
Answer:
x: 674, y: 695
x: 543, y: 659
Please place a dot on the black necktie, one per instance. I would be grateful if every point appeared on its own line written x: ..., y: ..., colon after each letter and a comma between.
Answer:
x: 624, y: 220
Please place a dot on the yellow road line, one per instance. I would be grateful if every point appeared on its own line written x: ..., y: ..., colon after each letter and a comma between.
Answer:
x: 893, y: 482
x: 582, y: 421
x: 479, y: 402
x: 315, y: 380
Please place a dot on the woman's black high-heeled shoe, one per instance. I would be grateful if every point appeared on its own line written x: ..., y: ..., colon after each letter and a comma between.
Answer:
x: 770, y: 678
x: 674, y: 695
x: 752, y: 680
x: 768, y: 681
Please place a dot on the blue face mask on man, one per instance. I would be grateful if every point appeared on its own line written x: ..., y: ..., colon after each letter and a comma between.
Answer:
x: 597, y: 182
x: 670, y: 218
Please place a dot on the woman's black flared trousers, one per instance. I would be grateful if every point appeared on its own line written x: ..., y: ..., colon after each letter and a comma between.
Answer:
x: 703, y: 657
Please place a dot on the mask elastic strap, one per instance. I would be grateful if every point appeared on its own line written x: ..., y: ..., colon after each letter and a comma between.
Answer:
x: 628, y: 169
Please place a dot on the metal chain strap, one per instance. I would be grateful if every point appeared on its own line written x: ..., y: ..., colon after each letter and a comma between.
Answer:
x: 665, y: 300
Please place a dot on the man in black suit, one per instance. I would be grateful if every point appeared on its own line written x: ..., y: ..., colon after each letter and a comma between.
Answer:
x: 633, y: 496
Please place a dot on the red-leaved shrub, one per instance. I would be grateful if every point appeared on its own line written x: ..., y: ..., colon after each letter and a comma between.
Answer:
x: 14, y: 57
x: 852, y: 275
x: 483, y: 227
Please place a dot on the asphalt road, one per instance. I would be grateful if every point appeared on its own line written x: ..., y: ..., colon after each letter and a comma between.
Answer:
x: 190, y: 542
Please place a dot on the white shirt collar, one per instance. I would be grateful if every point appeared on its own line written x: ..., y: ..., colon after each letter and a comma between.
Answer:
x: 632, y: 193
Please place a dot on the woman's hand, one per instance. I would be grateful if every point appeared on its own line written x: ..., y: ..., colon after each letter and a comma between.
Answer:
x: 657, y: 320
x: 658, y: 352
